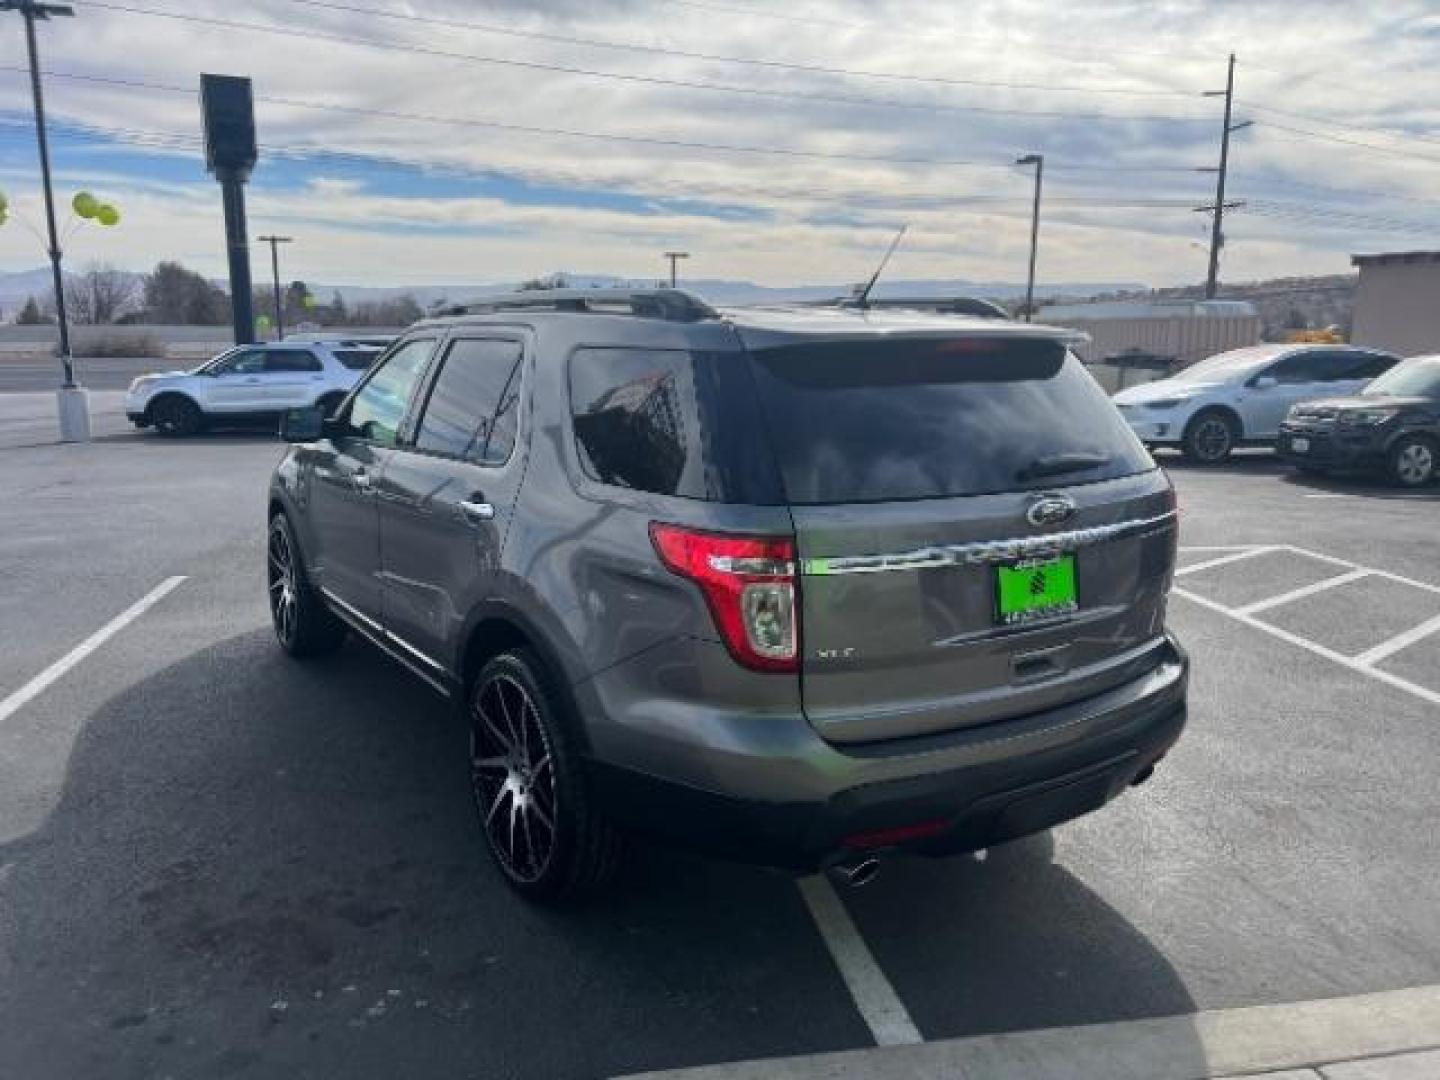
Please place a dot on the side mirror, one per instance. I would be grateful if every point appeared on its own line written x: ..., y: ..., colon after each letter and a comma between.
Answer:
x: 301, y: 425
x: 1265, y: 382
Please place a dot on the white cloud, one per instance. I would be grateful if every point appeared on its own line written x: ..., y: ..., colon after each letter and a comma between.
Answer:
x: 806, y: 218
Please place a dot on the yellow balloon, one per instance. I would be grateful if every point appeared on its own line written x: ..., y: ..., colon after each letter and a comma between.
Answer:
x: 85, y: 204
x: 107, y: 215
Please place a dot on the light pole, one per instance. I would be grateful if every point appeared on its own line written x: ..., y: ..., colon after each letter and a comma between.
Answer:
x: 74, y: 406
x: 1038, y: 160
x: 275, y: 242
x: 675, y: 257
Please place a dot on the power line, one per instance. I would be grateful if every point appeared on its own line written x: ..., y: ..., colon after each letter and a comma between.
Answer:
x: 782, y: 65
x: 465, y: 121
x: 627, y: 77
x: 1392, y: 133
x: 1304, y: 133
x: 856, y: 24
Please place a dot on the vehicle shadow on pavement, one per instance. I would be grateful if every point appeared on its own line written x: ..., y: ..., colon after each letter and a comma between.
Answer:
x: 1015, y: 941
x: 263, y: 868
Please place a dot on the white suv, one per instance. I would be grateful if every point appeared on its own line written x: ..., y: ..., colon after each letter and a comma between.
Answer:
x: 1242, y: 396
x: 251, y: 382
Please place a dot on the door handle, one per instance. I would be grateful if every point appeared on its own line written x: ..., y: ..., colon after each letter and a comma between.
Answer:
x: 361, y: 479
x: 253, y: 379
x: 477, y: 511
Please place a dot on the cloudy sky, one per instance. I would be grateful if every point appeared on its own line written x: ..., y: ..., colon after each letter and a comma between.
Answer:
x: 464, y: 141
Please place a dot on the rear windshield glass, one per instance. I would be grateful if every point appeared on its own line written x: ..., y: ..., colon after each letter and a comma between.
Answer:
x: 880, y: 420
x: 357, y: 359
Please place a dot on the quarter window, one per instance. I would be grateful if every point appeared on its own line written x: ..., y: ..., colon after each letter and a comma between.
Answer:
x: 474, y: 404
x: 291, y: 360
x: 378, y: 409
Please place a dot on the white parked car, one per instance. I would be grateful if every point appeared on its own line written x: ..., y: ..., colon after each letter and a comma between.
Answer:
x: 1240, y: 397
x: 251, y: 382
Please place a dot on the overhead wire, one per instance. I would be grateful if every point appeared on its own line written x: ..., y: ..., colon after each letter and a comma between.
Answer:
x: 670, y: 51
x: 618, y: 76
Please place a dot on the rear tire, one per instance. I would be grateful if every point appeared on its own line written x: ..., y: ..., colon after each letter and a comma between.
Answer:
x: 1209, y: 437
x: 545, y: 834
x: 1413, y: 460
x: 175, y: 417
x: 304, y: 626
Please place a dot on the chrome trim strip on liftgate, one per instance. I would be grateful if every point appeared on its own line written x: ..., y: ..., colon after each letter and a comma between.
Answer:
x: 984, y: 551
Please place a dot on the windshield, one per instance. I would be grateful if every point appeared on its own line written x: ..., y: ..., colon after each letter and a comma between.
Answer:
x: 1417, y: 378
x: 1225, y: 365
x: 215, y: 360
x: 874, y: 421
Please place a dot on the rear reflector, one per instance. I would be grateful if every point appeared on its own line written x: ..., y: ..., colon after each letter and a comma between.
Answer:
x: 878, y: 838
x: 749, y: 585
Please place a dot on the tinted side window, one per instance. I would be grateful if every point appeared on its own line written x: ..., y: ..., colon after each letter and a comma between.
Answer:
x: 356, y: 359
x: 1368, y: 366
x: 671, y: 423
x: 1302, y: 367
x: 245, y: 362
x: 291, y: 360
x: 378, y: 409
x: 474, y: 403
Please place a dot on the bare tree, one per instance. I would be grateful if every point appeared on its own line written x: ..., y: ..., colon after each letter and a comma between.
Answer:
x: 100, y: 294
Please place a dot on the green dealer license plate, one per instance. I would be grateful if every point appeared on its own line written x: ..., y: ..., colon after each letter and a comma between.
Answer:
x: 1035, y: 589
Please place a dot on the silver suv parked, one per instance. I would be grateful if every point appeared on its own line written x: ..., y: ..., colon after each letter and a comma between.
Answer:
x: 796, y: 586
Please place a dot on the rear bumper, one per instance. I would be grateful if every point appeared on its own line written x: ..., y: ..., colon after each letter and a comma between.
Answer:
x: 973, y: 788
x: 1331, y: 448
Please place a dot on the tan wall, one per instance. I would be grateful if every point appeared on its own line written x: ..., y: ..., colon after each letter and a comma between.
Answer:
x: 1188, y: 338
x: 1397, y: 307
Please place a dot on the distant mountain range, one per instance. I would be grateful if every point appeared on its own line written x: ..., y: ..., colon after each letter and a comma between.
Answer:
x: 17, y: 286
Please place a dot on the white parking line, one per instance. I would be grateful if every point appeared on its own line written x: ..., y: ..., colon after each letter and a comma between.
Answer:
x: 1223, y: 560
x: 1304, y: 591
x: 40, y: 683
x: 1422, y: 692
x: 1399, y: 641
x: 880, y: 1007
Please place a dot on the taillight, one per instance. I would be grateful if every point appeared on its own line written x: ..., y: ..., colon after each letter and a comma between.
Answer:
x: 749, y: 585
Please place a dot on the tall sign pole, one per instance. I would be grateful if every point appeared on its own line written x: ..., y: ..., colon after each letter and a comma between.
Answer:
x: 228, y: 107
x: 275, y: 242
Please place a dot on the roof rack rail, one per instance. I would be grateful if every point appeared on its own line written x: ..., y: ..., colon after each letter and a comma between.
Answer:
x: 671, y: 305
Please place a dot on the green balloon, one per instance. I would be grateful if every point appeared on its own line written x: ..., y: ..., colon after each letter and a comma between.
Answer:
x: 107, y: 215
x: 262, y: 322
x: 85, y: 204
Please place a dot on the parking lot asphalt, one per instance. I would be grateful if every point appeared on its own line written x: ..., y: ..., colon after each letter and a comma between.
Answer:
x: 218, y: 862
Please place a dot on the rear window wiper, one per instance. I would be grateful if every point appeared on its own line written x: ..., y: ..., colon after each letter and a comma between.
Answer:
x: 1059, y: 464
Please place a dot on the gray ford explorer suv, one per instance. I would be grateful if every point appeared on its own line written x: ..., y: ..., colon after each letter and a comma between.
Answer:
x: 800, y: 587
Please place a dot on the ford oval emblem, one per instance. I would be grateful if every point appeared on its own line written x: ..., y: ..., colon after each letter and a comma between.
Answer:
x: 1050, y: 510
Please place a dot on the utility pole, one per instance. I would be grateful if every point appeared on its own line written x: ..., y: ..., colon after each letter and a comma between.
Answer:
x: 74, y: 406
x: 1038, y: 160
x: 275, y: 242
x: 1217, y: 233
x: 675, y: 257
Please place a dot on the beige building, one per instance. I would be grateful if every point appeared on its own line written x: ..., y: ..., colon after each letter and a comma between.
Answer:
x: 1397, y: 304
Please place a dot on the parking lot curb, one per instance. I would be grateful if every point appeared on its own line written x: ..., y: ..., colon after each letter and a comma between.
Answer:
x: 1221, y: 1043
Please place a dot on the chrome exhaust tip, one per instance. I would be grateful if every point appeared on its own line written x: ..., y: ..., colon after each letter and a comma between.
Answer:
x: 856, y: 872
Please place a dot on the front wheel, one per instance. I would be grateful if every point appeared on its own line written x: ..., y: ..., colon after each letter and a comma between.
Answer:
x: 544, y: 833
x: 175, y: 416
x: 1209, y: 438
x: 1413, y: 460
